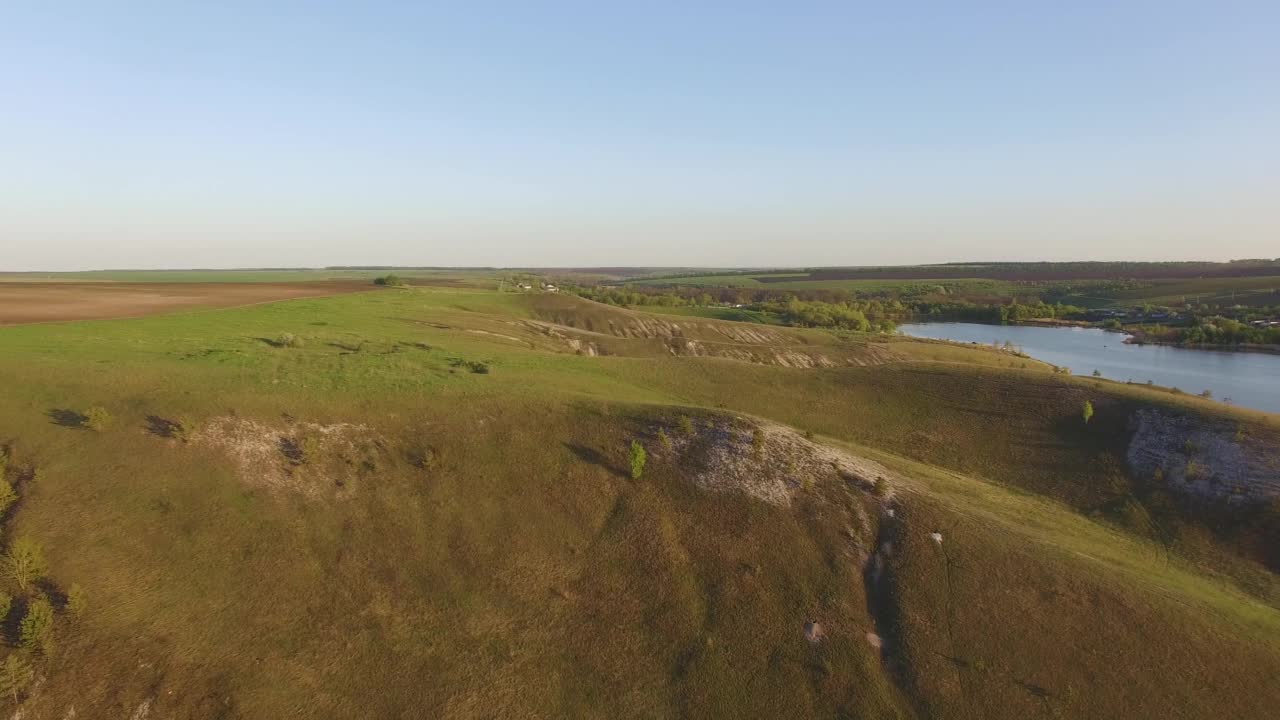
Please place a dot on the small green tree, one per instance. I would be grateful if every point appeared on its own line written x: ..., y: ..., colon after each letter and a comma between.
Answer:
x: 24, y: 563
x: 663, y: 440
x: 97, y: 418
x: 77, y: 601
x: 757, y: 443
x: 637, y: 459
x: 36, y: 630
x: 1097, y: 373
x: 686, y: 425
x: 1087, y: 412
x: 182, y: 429
x: 881, y: 488
x: 7, y: 496
x: 15, y: 675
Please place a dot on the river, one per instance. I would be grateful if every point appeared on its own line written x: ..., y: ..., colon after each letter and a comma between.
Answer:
x: 1246, y: 379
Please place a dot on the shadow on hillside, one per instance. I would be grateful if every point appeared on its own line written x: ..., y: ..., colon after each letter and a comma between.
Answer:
x: 594, y: 457
x: 292, y: 450
x: 347, y: 349
x: 66, y: 418
x: 162, y: 427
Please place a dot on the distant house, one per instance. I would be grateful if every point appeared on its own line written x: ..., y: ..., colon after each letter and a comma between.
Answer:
x: 525, y: 286
x: 550, y: 288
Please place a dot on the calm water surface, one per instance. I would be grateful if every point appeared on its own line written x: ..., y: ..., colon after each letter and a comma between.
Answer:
x: 1248, y: 379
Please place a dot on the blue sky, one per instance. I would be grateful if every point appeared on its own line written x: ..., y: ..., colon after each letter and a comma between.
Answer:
x: 225, y: 134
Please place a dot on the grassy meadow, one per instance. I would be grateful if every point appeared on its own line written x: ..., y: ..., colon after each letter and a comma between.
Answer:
x: 417, y: 503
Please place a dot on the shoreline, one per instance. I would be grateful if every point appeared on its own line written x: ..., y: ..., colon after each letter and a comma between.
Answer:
x: 1131, y: 338
x: 1241, y: 348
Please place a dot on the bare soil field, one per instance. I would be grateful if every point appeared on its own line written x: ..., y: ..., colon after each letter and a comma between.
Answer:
x: 35, y: 302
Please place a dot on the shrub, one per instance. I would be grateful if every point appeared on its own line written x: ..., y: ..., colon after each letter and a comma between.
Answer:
x: 289, y: 340
x: 308, y: 447
x: 1087, y: 411
x: 390, y: 280
x: 475, y: 366
x: 881, y: 488
x: 637, y: 459
x: 36, y: 629
x: 24, y: 563
x: 685, y: 425
x: 96, y: 418
x: 1097, y: 373
x: 1207, y: 394
x: 422, y: 457
x: 663, y: 440
x: 7, y: 496
x: 757, y: 443
x: 4, y: 462
x: 15, y: 676
x: 182, y: 429
x: 6, y: 604
x: 77, y: 600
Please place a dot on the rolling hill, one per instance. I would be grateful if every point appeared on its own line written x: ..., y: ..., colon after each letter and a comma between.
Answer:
x: 420, y: 502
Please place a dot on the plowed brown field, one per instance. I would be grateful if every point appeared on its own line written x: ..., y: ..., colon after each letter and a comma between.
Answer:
x: 32, y: 302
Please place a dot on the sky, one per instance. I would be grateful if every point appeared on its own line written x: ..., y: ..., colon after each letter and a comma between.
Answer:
x: 270, y: 134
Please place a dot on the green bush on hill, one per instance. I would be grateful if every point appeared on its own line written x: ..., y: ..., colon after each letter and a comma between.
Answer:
x: 391, y: 280
x: 97, y: 418
x: 636, y: 457
x: 36, y: 628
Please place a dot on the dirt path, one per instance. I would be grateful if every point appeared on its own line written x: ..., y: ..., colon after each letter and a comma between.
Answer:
x: 32, y: 302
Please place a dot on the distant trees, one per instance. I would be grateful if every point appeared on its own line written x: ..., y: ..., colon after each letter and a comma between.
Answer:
x: 636, y: 458
x: 1087, y: 411
x: 1210, y: 330
x: 24, y: 563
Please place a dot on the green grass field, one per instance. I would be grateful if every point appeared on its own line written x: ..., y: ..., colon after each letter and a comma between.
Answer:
x: 422, y: 507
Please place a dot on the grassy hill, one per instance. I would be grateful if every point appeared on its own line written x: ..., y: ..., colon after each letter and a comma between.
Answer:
x: 418, y: 502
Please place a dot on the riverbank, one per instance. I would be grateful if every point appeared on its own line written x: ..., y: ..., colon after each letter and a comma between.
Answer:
x: 1241, y: 347
x: 1134, y: 336
x: 1243, y: 378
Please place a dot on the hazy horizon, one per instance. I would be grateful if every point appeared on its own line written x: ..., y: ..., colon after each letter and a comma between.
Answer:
x: 575, y: 135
